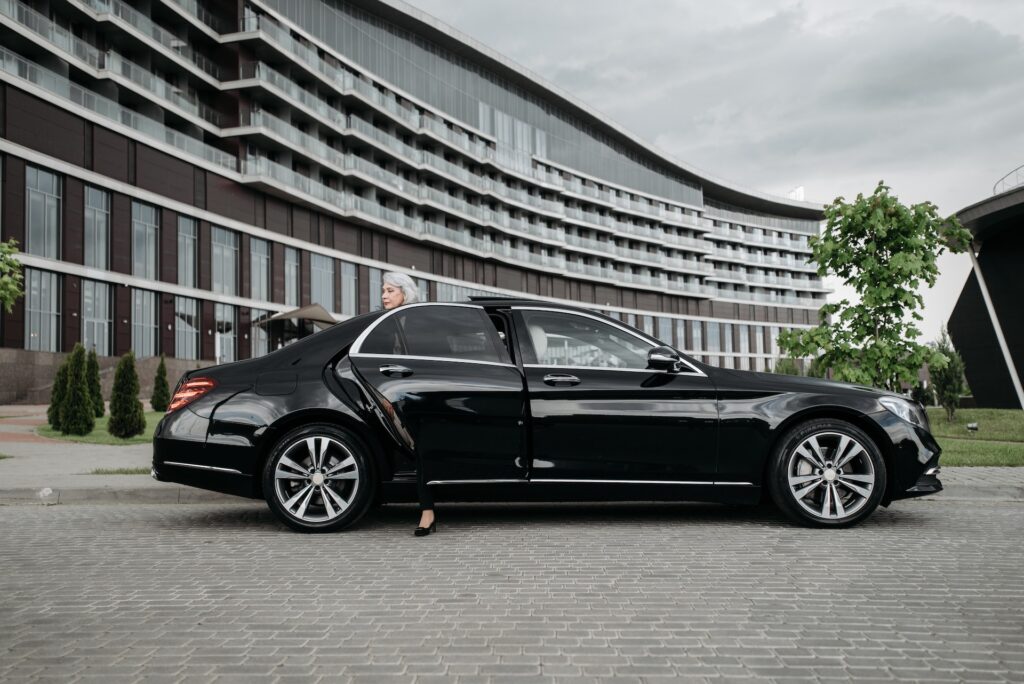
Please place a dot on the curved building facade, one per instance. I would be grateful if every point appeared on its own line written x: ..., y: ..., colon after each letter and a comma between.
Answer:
x: 175, y: 170
x: 989, y: 306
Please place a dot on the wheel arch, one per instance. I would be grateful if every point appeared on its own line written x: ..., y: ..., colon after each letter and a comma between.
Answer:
x: 311, y: 416
x: 836, y: 412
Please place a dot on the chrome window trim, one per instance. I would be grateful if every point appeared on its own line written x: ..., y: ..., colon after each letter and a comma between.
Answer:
x: 694, y: 371
x: 197, y: 466
x: 357, y: 345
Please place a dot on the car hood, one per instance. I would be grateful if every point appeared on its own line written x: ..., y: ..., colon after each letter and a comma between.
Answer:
x: 726, y: 378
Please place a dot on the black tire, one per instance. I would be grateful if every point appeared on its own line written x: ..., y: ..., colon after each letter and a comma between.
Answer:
x: 826, y: 473
x: 323, y: 486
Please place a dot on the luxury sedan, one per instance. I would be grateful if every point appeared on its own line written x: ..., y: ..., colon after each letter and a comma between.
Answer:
x: 515, y: 400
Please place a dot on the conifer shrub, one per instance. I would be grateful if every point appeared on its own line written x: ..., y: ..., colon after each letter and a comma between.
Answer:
x: 92, y: 369
x: 126, y: 416
x: 57, y: 393
x: 161, y: 392
x: 77, y: 415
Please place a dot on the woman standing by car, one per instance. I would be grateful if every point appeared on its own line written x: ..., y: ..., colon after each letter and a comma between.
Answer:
x: 399, y: 289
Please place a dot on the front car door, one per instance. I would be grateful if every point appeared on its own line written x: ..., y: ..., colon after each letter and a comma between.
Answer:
x: 445, y: 385
x: 599, y: 414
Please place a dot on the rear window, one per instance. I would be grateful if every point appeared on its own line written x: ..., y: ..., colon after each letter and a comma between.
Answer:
x: 452, y: 332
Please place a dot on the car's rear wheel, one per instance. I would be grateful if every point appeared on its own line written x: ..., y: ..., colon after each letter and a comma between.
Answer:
x: 319, y: 478
x: 827, y: 473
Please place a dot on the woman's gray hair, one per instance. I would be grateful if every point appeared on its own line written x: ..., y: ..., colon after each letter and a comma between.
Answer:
x: 407, y: 285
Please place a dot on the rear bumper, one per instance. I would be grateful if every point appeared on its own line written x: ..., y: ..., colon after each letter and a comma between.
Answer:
x: 180, y: 457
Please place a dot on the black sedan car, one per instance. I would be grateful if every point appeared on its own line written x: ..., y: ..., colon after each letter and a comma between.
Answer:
x: 514, y: 400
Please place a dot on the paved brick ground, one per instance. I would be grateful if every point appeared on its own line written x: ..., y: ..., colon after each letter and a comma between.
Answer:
x: 929, y: 591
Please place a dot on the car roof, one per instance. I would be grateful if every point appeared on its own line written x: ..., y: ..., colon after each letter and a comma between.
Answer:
x: 519, y: 301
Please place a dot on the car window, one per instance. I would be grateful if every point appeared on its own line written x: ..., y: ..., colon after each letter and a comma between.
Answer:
x: 452, y: 332
x: 566, y: 339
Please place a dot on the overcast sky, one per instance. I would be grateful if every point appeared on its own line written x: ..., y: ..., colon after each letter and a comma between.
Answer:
x: 831, y: 95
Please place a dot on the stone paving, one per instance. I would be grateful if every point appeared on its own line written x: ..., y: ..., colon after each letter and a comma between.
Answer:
x: 924, y: 591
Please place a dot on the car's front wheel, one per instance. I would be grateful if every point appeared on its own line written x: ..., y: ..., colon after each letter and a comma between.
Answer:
x: 827, y: 473
x: 319, y: 478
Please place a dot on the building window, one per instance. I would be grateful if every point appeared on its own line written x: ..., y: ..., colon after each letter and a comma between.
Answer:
x: 727, y: 337
x: 695, y: 334
x: 144, y: 323
x: 186, y: 328
x: 714, y: 337
x: 97, y: 319
x: 42, y: 310
x: 744, y: 339
x: 322, y: 280
x: 665, y: 330
x: 42, y: 213
x: 349, y: 289
x: 97, y: 228
x: 259, y: 269
x: 423, y: 286
x: 144, y: 240
x: 376, y: 287
x: 291, y: 276
x: 188, y: 241
x: 258, y: 334
x: 759, y: 340
x: 224, y: 342
x: 225, y: 261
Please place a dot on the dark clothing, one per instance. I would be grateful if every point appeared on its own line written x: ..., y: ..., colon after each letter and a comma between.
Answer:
x: 425, y: 495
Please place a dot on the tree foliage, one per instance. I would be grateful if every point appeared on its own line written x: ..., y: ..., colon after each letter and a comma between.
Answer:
x: 948, y: 380
x: 77, y: 417
x: 161, y: 392
x: 126, y: 416
x: 883, y: 250
x: 786, y: 366
x: 57, y: 393
x: 11, y: 279
x: 92, y: 371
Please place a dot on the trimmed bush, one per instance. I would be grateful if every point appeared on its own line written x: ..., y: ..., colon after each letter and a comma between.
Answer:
x: 161, y: 392
x: 77, y: 417
x: 126, y: 416
x: 57, y: 393
x: 923, y: 394
x: 92, y: 370
x: 786, y: 366
x: 948, y: 380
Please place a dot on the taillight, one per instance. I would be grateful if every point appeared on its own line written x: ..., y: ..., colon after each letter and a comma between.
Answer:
x: 189, y: 392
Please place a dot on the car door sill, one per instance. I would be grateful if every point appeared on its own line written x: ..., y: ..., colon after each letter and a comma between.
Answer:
x: 575, y: 481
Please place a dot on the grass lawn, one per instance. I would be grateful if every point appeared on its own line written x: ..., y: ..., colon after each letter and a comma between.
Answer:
x: 1005, y: 425
x: 976, y: 452
x: 120, y: 471
x: 99, y: 435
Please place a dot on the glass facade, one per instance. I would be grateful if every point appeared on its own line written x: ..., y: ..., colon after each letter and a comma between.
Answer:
x: 97, y: 228
x: 292, y: 270
x: 224, y: 255
x: 322, y: 281
x: 145, y: 325
x: 376, y: 288
x: 42, y: 310
x: 188, y: 252
x: 226, y: 335
x: 259, y: 269
x: 42, y: 213
x: 186, y: 328
x: 97, y: 317
x: 259, y: 339
x: 144, y: 240
x: 349, y: 289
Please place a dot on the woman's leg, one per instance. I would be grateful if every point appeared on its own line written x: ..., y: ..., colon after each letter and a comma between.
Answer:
x: 423, y: 491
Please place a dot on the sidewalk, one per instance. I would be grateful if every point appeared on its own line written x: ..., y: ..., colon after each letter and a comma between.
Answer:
x: 48, y: 471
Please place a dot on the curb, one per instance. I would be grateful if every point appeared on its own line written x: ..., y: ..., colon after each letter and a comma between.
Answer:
x: 107, y: 495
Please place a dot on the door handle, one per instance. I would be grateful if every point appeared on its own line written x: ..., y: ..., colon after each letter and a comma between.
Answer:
x: 561, y: 380
x: 395, y: 371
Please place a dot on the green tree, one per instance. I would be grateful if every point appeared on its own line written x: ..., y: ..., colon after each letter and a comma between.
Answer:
x: 161, y: 392
x: 126, y: 416
x: 92, y: 370
x: 817, y: 368
x: 948, y: 379
x: 786, y: 366
x: 883, y: 250
x: 57, y: 394
x: 923, y: 394
x: 11, y: 279
x: 77, y: 417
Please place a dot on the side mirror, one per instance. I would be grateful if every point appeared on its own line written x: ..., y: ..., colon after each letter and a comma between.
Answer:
x: 664, y: 358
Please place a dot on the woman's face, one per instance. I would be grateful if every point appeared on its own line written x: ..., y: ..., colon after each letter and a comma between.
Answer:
x: 391, y: 296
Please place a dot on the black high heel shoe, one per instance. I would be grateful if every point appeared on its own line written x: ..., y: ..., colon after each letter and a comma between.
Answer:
x: 424, y: 531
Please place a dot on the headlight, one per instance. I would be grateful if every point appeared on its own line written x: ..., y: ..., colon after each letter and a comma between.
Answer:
x: 905, y: 410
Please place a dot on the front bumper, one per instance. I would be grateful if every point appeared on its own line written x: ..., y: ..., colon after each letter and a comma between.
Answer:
x: 927, y: 483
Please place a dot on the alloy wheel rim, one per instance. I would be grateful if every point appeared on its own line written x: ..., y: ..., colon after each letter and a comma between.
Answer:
x: 316, y: 479
x: 830, y: 475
